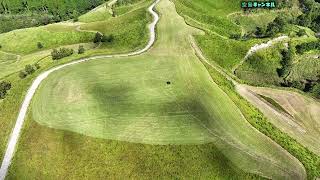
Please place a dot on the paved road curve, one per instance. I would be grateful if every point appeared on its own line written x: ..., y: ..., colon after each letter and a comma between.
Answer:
x: 24, y: 108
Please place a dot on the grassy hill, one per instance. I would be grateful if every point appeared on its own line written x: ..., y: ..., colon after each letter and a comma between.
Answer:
x: 190, y: 110
x: 11, y: 64
x: 23, y: 43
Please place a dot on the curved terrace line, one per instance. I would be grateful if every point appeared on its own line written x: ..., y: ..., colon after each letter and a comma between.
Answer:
x: 23, y: 110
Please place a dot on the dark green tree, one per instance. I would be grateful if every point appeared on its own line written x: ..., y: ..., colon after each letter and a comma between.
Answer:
x: 29, y: 69
x: 81, y: 49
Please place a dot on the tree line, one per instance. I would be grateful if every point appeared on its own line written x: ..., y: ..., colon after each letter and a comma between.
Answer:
x: 17, y: 14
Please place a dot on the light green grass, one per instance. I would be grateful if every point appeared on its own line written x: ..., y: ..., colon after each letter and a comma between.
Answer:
x: 73, y: 156
x: 212, y: 17
x: 250, y: 21
x: 307, y: 67
x: 100, y: 13
x: 123, y: 9
x: 129, y: 30
x: 128, y: 99
x: 24, y: 41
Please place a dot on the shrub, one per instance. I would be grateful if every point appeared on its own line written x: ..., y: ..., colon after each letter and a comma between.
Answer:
x: 108, y: 38
x: 29, y: 69
x: 98, y: 37
x: 304, y: 47
x: 235, y: 36
x: 81, y: 49
x: 260, y: 31
x: 37, y: 66
x: 301, y: 32
x: 4, y: 87
x: 39, y: 45
x: 23, y: 74
x: 61, y: 53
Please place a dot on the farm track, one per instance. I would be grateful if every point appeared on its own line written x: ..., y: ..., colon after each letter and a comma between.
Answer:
x: 13, y: 140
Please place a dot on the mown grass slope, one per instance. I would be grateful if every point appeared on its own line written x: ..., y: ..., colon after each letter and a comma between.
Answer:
x: 129, y: 30
x: 11, y: 64
x: 129, y: 99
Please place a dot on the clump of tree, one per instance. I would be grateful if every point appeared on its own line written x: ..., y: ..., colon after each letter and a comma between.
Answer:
x: 286, y: 62
x: 4, y: 88
x: 98, y: 37
x: 311, y: 15
x: 28, y: 70
x: 305, y: 47
x: 276, y: 26
x: 81, y: 49
x: 103, y: 38
x: 108, y: 38
x: 301, y: 32
x: 273, y: 28
x: 39, y: 45
x: 61, y: 53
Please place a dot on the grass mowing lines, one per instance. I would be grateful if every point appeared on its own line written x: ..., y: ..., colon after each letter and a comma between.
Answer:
x: 129, y: 30
x: 118, y: 98
x: 25, y: 41
x: 57, y: 153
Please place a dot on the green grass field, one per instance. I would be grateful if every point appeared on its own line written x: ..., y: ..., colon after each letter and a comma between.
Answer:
x: 191, y: 110
x: 129, y: 30
x: 73, y: 156
x: 212, y: 17
x: 100, y: 13
x: 24, y: 41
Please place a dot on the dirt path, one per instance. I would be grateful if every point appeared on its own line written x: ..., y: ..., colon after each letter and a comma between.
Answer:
x: 24, y: 108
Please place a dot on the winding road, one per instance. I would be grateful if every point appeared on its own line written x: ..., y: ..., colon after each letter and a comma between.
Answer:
x: 24, y: 108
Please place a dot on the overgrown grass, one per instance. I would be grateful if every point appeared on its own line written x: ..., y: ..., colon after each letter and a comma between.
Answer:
x: 261, y: 67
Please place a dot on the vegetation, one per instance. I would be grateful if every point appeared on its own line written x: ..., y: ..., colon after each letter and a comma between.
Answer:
x: 309, y: 159
x: 264, y: 66
x: 311, y: 15
x: 61, y: 53
x: 4, y: 88
x: 105, y: 159
x: 81, y: 49
x: 274, y: 104
x: 17, y: 14
x: 28, y: 70
x: 40, y: 45
x: 286, y: 62
x: 308, y: 46
x: 191, y: 110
